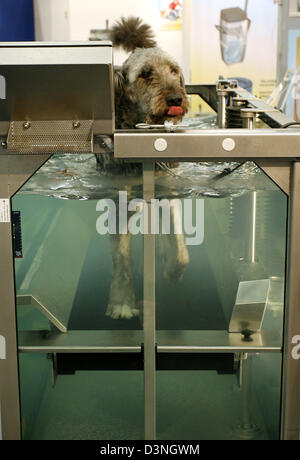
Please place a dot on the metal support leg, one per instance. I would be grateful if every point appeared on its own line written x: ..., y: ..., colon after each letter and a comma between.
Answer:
x: 249, y: 123
x: 247, y: 429
x: 249, y: 119
x: 291, y: 356
x: 9, y: 380
x: 14, y: 171
x: 222, y: 95
x: 149, y: 310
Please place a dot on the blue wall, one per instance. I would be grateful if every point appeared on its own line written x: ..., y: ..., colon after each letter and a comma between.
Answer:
x: 16, y: 20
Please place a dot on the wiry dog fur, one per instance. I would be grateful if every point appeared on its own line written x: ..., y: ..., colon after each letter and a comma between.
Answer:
x: 147, y: 85
x: 131, y: 33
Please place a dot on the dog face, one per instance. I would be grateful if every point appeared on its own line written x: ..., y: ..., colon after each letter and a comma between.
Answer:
x: 148, y: 85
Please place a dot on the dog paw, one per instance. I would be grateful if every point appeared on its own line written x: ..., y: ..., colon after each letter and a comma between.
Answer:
x: 174, y: 271
x: 121, y: 312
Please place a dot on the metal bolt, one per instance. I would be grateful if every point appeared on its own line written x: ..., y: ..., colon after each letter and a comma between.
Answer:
x: 26, y: 125
x: 234, y: 84
x: 239, y: 102
x: 76, y: 124
x: 227, y: 84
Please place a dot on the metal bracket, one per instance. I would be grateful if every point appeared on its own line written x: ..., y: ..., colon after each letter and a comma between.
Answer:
x: 250, y: 306
x: 227, y: 85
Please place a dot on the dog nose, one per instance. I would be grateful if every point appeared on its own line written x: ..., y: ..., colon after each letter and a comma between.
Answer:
x: 174, y: 99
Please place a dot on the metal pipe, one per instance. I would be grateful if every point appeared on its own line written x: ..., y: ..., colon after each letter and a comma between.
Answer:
x: 247, y: 429
x: 246, y: 386
x: 222, y: 95
x: 248, y: 123
x: 253, y: 229
x: 291, y: 358
x: 149, y: 308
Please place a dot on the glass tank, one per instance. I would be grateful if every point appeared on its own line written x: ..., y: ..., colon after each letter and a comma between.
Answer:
x: 233, y: 231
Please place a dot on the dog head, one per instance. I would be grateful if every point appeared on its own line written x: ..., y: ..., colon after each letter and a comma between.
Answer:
x: 150, y: 85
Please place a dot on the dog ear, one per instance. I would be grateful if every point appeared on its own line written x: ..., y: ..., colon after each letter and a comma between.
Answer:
x: 182, y: 82
x: 120, y: 79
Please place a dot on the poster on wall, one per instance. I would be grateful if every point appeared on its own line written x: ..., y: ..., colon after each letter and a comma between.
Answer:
x: 235, y: 39
x: 171, y: 14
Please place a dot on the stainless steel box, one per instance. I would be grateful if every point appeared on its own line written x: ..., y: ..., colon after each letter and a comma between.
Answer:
x: 57, y: 82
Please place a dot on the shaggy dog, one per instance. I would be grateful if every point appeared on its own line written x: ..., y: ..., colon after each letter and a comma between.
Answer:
x: 149, y: 88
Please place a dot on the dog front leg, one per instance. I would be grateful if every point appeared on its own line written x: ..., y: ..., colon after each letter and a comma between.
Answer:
x: 122, y: 298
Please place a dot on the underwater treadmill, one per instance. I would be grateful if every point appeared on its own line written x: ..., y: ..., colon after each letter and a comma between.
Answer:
x: 59, y: 98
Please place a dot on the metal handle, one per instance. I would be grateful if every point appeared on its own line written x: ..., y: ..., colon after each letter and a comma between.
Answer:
x: 167, y: 126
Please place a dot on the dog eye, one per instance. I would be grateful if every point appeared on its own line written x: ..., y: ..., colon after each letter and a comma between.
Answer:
x: 146, y: 74
x: 174, y: 71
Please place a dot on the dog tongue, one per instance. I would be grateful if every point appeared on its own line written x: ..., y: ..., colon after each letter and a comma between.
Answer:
x: 175, y: 110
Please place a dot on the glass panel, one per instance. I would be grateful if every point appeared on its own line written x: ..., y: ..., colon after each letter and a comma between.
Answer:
x: 234, y: 226
x: 203, y: 405
x: 219, y: 288
x: 86, y: 406
x: 91, y: 284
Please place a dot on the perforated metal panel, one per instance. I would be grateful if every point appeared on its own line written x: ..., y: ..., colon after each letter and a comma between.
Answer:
x: 50, y: 136
x: 57, y: 81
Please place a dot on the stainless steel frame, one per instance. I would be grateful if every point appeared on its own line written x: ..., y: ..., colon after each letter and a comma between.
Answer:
x: 291, y: 366
x: 277, y: 151
x: 47, y: 85
x: 131, y: 341
x: 149, y: 310
x: 15, y: 170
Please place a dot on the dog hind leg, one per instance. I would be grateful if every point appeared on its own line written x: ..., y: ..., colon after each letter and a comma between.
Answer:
x: 176, y: 254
